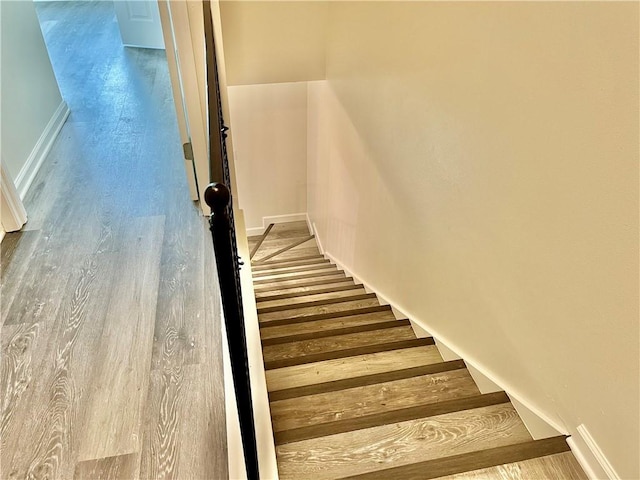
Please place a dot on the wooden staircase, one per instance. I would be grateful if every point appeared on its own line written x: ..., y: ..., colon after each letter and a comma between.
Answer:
x: 354, y: 394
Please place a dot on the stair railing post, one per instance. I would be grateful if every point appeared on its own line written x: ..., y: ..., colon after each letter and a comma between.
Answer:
x: 218, y: 197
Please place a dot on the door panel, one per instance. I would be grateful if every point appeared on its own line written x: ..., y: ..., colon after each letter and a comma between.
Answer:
x: 139, y: 22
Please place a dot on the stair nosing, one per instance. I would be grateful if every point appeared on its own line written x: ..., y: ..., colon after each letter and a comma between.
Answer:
x: 347, y: 352
x: 470, y: 461
x: 364, y: 380
x: 324, y: 316
x: 367, y: 327
x: 293, y: 259
x: 316, y: 303
x: 389, y: 417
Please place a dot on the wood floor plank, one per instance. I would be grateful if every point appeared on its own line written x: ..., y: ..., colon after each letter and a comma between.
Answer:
x: 345, y: 344
x: 380, y: 397
x: 320, y: 326
x: 405, y: 443
x: 364, y: 380
x: 303, y: 312
x: 388, y: 417
x: 367, y: 327
x: 560, y: 465
x: 472, y: 460
x: 343, y: 368
x: 302, y: 296
x: 316, y: 302
x: 122, y: 374
x: 118, y: 467
x: 284, y: 249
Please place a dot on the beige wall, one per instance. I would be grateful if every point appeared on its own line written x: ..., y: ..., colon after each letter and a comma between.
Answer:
x: 477, y: 163
x: 273, y: 42
x: 269, y: 124
x: 30, y: 95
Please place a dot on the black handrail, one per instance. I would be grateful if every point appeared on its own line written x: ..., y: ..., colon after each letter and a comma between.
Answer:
x: 222, y: 224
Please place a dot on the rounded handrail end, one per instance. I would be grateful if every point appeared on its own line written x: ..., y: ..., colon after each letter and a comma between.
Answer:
x: 217, y: 196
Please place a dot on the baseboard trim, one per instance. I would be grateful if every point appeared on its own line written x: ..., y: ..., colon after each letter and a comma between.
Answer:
x: 590, y: 456
x: 537, y: 420
x: 36, y: 158
x: 266, y: 221
x: 13, y: 214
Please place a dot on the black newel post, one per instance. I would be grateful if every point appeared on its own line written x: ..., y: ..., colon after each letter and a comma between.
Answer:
x: 218, y: 198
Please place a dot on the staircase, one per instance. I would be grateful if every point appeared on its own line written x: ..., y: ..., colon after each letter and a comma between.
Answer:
x: 354, y: 394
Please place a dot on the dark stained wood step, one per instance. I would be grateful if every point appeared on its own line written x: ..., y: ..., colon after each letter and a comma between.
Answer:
x: 292, y: 263
x: 395, y: 445
x: 316, y: 303
x: 293, y: 259
x: 365, y: 380
x: 467, y: 462
x: 294, y: 278
x: 332, y: 333
x: 288, y: 270
x: 284, y: 296
x: 391, y: 417
x: 322, y: 316
x: 350, y: 352
x: 338, y: 278
x: 371, y: 399
x: 282, y: 250
x: 259, y: 242
x: 320, y: 326
x: 336, y: 343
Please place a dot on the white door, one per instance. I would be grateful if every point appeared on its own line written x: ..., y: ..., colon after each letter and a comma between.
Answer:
x: 139, y: 22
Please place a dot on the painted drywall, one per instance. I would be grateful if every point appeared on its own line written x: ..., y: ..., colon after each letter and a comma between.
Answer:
x: 477, y: 164
x: 30, y: 94
x: 273, y: 42
x: 269, y: 124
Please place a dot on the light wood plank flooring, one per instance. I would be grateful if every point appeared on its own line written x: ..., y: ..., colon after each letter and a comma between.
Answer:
x: 354, y: 394
x: 111, y: 347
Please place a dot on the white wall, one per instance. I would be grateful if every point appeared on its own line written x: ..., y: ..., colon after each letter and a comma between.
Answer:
x: 269, y: 124
x: 477, y: 164
x: 273, y: 42
x: 31, y: 101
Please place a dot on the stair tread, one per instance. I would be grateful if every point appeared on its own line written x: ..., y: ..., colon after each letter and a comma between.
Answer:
x: 365, y: 400
x: 304, y: 312
x: 260, y: 275
x: 295, y: 259
x: 356, y: 366
x: 292, y: 244
x: 324, y: 316
x: 388, y: 417
x: 394, y: 445
x: 306, y: 286
x: 289, y: 266
x: 316, y: 302
x: 326, y: 270
x: 365, y: 380
x: 559, y: 465
x: 321, y: 275
x: 335, y: 345
x: 302, y: 297
x: 319, y: 326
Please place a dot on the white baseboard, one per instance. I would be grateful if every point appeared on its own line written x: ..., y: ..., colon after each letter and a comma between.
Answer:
x: 42, y: 147
x: 266, y: 221
x: 12, y: 212
x: 538, y: 423
x: 590, y: 456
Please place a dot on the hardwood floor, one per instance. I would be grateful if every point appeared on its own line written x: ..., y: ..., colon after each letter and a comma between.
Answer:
x: 111, y: 347
x: 354, y: 394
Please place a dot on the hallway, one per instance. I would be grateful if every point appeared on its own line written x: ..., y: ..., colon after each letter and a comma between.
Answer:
x: 111, y: 345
